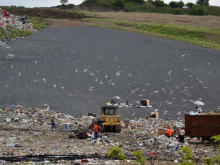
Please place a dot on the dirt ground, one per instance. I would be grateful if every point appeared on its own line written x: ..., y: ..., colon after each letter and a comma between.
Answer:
x: 199, y: 21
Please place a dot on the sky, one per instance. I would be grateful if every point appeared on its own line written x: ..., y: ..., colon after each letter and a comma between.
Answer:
x: 49, y: 3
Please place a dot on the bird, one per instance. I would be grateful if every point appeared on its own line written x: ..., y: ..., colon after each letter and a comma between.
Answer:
x: 183, y: 55
x: 133, y: 114
x: 169, y: 72
x: 178, y: 113
x: 44, y: 80
x: 55, y: 85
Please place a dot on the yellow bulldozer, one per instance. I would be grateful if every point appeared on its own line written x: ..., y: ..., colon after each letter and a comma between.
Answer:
x: 109, y: 120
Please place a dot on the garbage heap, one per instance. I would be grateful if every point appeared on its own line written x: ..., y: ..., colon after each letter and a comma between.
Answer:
x: 150, y: 137
x: 19, y: 22
x: 27, y: 131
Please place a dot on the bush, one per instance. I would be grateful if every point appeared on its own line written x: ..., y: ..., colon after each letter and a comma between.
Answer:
x: 135, y: 1
x: 140, y: 158
x: 119, y: 4
x: 116, y: 152
x: 198, y: 11
x: 178, y: 12
x: 208, y: 161
x: 216, y: 157
x: 188, y: 152
x: 129, y: 6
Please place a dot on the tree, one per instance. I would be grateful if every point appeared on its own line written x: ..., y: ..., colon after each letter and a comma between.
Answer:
x: 181, y: 4
x: 159, y: 3
x: 173, y: 4
x: 202, y: 2
x: 63, y: 2
x: 190, y: 5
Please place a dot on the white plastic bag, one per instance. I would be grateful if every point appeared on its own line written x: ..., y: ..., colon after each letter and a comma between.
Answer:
x: 92, y: 136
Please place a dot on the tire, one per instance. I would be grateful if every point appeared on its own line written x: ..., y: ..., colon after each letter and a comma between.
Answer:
x: 118, y: 129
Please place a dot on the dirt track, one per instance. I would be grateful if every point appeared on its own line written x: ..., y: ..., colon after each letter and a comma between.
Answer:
x: 199, y: 21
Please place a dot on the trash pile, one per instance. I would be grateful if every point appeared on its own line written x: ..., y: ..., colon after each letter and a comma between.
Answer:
x: 150, y: 137
x: 19, y: 22
x: 27, y: 136
x: 3, y: 45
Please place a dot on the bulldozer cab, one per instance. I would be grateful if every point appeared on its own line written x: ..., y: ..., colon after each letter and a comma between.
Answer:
x: 109, y: 110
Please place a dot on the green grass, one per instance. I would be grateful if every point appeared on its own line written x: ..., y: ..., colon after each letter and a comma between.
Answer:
x: 203, y: 36
x: 37, y: 23
x: 13, y: 33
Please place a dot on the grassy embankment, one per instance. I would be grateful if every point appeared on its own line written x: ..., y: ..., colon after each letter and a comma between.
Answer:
x: 202, y: 36
x: 35, y: 16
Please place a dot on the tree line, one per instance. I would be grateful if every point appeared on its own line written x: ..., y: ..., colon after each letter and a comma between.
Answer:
x: 200, y: 7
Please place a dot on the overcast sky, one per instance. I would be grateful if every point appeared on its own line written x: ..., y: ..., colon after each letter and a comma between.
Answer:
x: 49, y: 3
